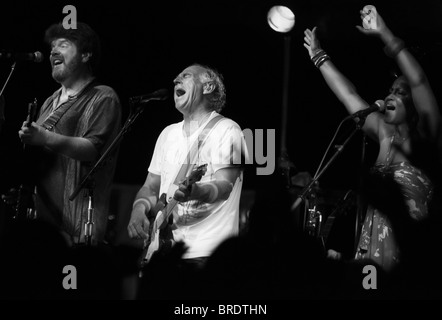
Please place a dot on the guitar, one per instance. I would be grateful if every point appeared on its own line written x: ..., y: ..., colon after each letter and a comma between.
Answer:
x: 160, y: 232
x: 25, y: 207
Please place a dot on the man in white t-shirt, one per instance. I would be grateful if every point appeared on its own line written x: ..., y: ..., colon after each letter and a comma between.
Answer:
x: 207, y: 212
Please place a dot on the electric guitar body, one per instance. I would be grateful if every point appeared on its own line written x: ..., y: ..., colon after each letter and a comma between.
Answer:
x: 161, y: 237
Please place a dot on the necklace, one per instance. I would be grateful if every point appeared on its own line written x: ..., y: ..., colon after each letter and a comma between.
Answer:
x: 398, y: 140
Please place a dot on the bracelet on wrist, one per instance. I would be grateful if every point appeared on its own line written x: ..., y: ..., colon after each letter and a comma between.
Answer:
x: 144, y: 201
x: 317, y: 54
x: 319, y: 58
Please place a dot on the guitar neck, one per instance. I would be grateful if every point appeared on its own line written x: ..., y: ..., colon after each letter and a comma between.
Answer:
x: 162, y: 219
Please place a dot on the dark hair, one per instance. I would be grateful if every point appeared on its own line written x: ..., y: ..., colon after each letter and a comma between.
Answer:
x: 218, y: 96
x: 412, y: 117
x: 84, y: 37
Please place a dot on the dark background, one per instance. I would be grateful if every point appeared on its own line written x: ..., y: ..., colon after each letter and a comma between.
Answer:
x: 146, y: 44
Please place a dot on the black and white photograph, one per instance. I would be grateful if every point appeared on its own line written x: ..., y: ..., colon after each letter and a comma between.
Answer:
x: 221, y: 155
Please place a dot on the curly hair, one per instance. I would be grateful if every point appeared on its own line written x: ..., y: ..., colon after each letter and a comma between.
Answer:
x: 218, y: 97
x: 84, y: 37
x: 412, y: 117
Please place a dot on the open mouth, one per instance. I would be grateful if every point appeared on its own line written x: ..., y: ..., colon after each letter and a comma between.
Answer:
x: 389, y: 106
x: 56, y: 62
x: 180, y: 92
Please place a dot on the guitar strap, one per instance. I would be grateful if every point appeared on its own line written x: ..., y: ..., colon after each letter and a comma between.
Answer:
x: 52, y: 120
x: 25, y: 204
x: 188, y: 165
x: 190, y: 160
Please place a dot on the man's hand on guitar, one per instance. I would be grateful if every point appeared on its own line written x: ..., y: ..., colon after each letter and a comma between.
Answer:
x: 139, y: 225
x: 183, y: 193
x: 33, y: 134
x: 208, y: 192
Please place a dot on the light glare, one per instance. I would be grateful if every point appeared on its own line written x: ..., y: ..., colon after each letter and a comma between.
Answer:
x: 281, y: 19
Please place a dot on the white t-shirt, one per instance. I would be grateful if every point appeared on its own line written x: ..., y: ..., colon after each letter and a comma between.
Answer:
x: 202, y: 226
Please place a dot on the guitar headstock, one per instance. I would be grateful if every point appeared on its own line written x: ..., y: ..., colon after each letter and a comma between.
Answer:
x: 32, y: 112
x: 196, y: 174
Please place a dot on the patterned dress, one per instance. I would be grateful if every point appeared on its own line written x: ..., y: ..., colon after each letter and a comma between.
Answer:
x: 377, y: 241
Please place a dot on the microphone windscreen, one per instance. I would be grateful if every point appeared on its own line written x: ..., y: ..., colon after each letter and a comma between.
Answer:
x: 381, y: 105
x: 38, y: 56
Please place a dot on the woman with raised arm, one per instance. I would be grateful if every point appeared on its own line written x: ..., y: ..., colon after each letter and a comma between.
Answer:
x: 411, y: 115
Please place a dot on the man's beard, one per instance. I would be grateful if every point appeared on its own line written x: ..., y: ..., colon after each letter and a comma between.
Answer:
x: 60, y: 75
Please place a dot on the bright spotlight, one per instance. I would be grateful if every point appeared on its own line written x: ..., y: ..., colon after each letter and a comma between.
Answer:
x: 281, y: 19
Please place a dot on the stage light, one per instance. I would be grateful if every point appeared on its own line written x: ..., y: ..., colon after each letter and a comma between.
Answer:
x: 281, y: 19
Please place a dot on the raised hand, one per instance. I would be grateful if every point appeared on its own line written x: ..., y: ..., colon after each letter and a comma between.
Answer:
x: 311, y: 42
x: 372, y: 22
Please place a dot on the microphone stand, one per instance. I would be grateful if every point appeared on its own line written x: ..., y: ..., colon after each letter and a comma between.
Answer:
x: 339, y: 150
x: 361, y: 205
x: 9, y: 76
x: 284, y: 162
x: 88, y: 181
x: 3, y: 89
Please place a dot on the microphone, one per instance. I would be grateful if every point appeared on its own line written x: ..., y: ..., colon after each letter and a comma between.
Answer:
x: 37, y: 56
x: 378, y: 106
x: 160, y: 94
